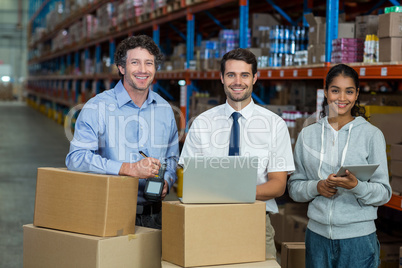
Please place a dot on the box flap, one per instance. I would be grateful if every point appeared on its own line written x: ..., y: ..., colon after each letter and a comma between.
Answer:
x: 310, y: 19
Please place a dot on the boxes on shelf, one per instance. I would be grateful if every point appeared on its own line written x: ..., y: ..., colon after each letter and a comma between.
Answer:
x: 89, y: 26
x: 100, y: 205
x: 106, y: 19
x: 390, y: 25
x: 390, y: 49
x: 317, y: 30
x: 366, y: 25
x: 293, y: 255
x: 47, y: 248
x: 316, y: 53
x: 209, y: 53
x: 346, y: 50
x: 261, y: 19
x: 199, y: 234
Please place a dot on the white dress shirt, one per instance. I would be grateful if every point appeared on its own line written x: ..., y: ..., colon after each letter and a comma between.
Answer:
x: 262, y: 133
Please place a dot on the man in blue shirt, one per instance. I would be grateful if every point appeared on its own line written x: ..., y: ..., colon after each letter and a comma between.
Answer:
x: 115, y: 125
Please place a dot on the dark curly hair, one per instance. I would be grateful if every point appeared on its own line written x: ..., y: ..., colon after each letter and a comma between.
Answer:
x: 240, y: 54
x: 142, y: 41
x: 346, y: 71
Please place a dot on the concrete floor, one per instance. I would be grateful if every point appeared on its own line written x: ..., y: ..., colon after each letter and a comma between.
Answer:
x: 28, y: 140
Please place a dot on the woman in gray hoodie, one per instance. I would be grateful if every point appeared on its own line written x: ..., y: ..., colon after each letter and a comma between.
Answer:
x: 341, y: 230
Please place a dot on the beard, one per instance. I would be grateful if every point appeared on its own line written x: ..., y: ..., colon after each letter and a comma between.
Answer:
x: 136, y: 86
x: 243, y: 97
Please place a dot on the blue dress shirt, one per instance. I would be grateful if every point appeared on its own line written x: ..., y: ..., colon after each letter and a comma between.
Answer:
x: 111, y: 129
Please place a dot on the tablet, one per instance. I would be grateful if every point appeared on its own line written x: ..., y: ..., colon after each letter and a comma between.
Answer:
x: 362, y: 172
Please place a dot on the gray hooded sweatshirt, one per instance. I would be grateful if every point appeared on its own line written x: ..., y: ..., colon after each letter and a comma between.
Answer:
x: 319, y: 152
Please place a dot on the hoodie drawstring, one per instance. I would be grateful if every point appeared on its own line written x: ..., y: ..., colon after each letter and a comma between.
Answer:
x: 345, y: 149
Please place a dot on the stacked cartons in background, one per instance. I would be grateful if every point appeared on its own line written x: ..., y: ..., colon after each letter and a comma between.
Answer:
x: 390, y: 34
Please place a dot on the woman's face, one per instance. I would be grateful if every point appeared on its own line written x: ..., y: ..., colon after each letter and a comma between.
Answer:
x: 341, y: 96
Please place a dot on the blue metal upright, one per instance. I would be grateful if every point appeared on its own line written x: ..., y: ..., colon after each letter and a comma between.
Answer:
x: 332, y: 27
x: 76, y: 61
x: 174, y: 28
x: 156, y: 34
x: 283, y: 13
x: 217, y: 22
x: 112, y: 49
x: 157, y: 87
x: 190, y: 38
x: 243, y: 28
x: 98, y: 58
x: 86, y: 56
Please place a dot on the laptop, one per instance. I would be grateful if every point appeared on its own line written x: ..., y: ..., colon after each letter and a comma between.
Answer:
x: 229, y: 179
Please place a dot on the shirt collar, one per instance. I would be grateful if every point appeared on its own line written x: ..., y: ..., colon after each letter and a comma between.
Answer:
x: 123, y: 98
x: 246, y: 112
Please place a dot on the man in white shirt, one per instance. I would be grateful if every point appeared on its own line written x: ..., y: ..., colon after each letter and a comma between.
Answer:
x: 262, y: 133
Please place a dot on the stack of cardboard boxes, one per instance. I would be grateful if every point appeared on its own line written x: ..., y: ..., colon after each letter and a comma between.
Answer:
x: 87, y: 220
x: 317, y: 36
x: 390, y: 34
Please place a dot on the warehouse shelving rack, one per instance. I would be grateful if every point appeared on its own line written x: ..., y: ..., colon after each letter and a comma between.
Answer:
x: 63, y: 91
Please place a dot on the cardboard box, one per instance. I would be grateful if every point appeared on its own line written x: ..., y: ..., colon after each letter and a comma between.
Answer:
x: 396, y: 184
x: 316, y: 54
x: 390, y: 25
x: 47, y: 248
x: 317, y: 29
x: 213, y: 234
x: 293, y: 255
x: 390, y: 49
x: 346, y: 30
x: 261, y: 19
x: 396, y: 151
x: 366, y: 25
x: 85, y: 203
x: 263, y: 264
